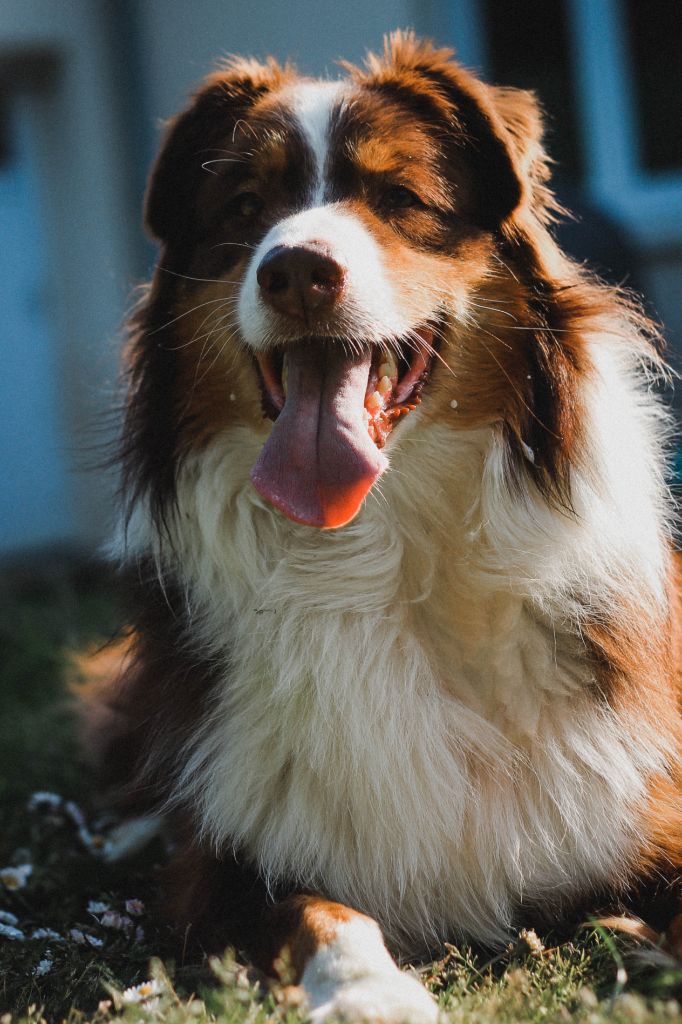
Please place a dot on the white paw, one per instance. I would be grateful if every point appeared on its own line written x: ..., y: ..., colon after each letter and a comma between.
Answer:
x: 386, y: 998
x: 353, y: 978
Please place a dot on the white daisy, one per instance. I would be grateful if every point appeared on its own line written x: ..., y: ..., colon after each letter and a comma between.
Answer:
x: 74, y: 812
x: 15, y: 878
x: 82, y: 938
x: 140, y: 993
x: 96, y: 907
x: 119, y: 922
x: 44, y: 799
x: 46, y: 933
x: 529, y: 937
x: 44, y: 967
x: 94, y: 842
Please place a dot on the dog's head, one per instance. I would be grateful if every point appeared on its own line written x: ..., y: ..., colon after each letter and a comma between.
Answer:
x: 327, y: 248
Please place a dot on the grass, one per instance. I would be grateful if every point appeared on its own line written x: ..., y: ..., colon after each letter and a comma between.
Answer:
x: 80, y: 970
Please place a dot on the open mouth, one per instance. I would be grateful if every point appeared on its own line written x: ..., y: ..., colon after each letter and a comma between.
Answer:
x: 332, y: 411
x: 397, y: 376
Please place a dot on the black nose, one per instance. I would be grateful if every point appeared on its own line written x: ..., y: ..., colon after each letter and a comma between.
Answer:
x: 301, y: 280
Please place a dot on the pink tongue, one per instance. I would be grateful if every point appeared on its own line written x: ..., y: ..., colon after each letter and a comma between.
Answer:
x: 319, y: 461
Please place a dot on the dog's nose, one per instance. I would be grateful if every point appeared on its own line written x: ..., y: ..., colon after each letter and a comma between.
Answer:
x: 300, y: 280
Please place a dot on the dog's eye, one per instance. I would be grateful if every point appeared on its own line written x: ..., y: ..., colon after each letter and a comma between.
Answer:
x: 398, y: 197
x: 247, y: 205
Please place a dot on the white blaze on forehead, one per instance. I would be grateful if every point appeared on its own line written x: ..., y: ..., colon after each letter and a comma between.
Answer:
x: 312, y: 105
x: 370, y: 307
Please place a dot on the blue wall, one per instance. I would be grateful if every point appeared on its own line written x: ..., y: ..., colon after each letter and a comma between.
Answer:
x: 34, y: 507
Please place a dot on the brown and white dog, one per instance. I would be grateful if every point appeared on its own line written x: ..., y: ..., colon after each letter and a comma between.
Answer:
x: 407, y: 642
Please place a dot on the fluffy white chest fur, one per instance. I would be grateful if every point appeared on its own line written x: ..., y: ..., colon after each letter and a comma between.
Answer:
x: 407, y: 720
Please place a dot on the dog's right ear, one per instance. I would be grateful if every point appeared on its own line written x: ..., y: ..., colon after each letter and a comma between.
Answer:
x: 223, y: 99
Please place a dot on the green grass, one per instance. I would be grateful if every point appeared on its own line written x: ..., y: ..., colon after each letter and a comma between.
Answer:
x: 44, y: 614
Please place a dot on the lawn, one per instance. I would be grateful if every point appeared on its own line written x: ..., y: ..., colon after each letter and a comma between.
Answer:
x: 83, y: 940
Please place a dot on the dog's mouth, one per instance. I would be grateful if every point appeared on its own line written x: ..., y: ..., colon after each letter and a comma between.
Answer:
x: 333, y: 409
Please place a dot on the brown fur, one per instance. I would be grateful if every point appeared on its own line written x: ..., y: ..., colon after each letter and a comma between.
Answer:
x: 473, y: 153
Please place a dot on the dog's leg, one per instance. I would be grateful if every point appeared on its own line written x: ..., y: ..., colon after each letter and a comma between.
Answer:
x: 339, y: 958
x: 335, y: 954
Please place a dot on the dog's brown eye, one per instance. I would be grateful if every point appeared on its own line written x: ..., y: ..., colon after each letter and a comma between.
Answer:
x: 398, y: 197
x: 247, y: 205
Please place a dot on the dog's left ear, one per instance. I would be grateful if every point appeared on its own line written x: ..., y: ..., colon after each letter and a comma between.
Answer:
x: 498, y: 131
x: 205, y: 128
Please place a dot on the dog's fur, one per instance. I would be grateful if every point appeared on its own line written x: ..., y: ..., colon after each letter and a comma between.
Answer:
x: 462, y: 707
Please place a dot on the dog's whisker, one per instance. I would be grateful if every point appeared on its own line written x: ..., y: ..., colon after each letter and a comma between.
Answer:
x: 241, y: 245
x: 219, y: 351
x: 187, y: 312
x: 196, y: 336
x: 206, y: 165
x: 227, y: 325
x: 201, y: 280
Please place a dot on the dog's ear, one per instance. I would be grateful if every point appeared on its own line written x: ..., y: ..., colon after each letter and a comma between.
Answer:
x: 520, y: 114
x: 209, y: 122
x: 497, y: 130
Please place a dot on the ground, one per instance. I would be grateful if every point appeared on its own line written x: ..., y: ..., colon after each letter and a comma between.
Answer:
x: 82, y: 940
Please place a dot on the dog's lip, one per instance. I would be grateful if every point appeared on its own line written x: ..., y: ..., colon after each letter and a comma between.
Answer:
x: 411, y: 359
x: 270, y: 364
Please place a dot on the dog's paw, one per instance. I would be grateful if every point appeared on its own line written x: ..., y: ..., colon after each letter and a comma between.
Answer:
x: 353, y: 978
x: 378, y: 998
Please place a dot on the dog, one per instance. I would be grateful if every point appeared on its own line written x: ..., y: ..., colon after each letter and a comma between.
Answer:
x: 404, y: 664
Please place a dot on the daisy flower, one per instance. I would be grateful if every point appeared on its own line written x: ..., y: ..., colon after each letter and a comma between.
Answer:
x: 529, y: 937
x: 75, y: 813
x: 82, y: 938
x: 8, y: 931
x: 140, y: 993
x: 43, y: 967
x: 15, y: 878
x: 119, y: 922
x: 96, y: 907
x: 44, y: 799
x: 46, y: 933
x: 92, y: 841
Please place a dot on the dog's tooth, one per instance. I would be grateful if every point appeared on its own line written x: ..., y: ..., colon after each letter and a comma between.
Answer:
x: 374, y: 402
x: 389, y: 367
x: 384, y: 386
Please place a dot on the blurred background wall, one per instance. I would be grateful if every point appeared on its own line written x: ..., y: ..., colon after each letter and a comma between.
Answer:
x: 84, y: 85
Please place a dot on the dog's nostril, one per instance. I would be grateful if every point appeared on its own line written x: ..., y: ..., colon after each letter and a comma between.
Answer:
x: 301, y: 279
x: 277, y: 281
x: 327, y: 275
x: 271, y: 273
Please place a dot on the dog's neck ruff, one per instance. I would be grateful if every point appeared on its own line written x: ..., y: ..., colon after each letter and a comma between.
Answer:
x: 413, y: 734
